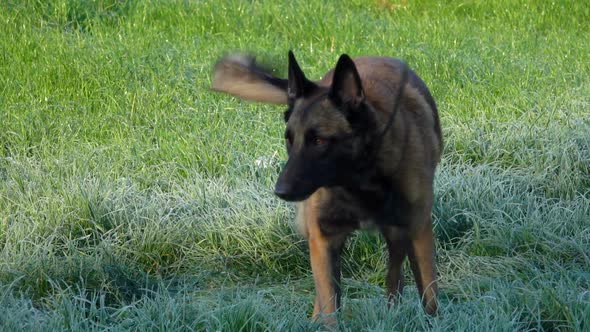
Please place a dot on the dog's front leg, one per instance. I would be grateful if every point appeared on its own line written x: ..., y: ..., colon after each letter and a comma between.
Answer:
x: 397, y: 245
x: 324, y: 253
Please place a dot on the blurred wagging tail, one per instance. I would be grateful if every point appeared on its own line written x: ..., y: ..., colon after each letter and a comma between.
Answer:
x: 363, y: 144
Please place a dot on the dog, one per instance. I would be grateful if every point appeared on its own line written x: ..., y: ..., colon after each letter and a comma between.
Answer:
x: 363, y: 144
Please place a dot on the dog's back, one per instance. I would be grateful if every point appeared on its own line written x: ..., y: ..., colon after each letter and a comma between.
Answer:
x: 413, y: 146
x: 381, y: 78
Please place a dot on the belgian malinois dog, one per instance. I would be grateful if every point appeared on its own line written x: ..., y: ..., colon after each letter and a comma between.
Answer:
x: 363, y: 144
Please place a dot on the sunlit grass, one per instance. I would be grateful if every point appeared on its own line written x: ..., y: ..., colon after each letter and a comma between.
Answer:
x: 134, y: 198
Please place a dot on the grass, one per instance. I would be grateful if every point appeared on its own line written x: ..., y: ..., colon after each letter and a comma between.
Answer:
x: 133, y: 198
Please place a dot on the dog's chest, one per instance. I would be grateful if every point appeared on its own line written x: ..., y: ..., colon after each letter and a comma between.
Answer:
x: 350, y: 210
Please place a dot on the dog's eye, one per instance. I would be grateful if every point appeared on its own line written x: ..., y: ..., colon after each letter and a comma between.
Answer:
x: 319, y: 141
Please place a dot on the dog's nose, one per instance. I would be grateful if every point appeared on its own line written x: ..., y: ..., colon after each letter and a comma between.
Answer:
x: 289, y: 194
x: 286, y: 192
x: 283, y: 192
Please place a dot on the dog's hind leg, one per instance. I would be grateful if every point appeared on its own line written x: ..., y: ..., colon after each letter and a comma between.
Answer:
x: 421, y: 255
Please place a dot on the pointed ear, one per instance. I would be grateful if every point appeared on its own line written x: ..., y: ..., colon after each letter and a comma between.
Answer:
x: 346, y: 83
x: 298, y: 84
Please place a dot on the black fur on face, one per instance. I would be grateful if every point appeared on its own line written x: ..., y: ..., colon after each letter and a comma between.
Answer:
x: 328, y: 131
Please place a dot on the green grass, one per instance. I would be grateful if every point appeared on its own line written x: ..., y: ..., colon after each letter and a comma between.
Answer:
x: 133, y: 198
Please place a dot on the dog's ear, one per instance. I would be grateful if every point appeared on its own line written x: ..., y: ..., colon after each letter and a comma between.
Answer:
x: 346, y: 87
x: 298, y: 85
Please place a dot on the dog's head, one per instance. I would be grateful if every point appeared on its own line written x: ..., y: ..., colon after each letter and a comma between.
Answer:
x: 326, y: 130
x: 328, y: 123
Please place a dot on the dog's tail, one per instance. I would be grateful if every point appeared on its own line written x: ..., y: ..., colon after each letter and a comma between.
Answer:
x: 239, y: 75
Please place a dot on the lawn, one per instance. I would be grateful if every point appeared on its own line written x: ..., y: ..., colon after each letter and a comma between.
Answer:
x: 134, y: 198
